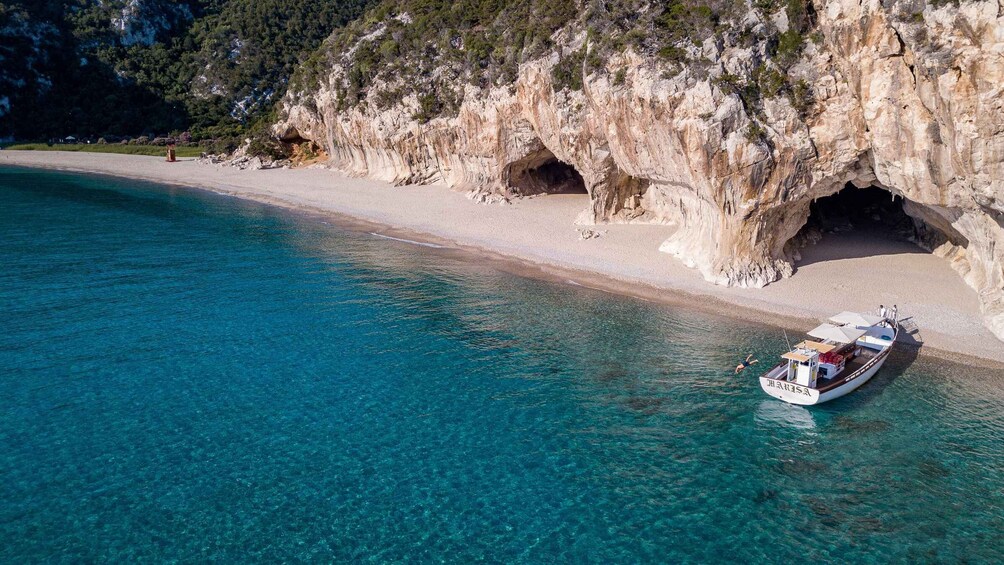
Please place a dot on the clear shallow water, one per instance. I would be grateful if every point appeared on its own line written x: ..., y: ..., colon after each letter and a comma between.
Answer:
x: 185, y: 376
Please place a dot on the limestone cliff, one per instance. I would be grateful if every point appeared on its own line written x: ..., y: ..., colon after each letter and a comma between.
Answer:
x: 905, y: 97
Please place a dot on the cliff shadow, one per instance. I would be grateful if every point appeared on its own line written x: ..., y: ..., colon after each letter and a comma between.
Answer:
x: 856, y: 223
x: 542, y: 173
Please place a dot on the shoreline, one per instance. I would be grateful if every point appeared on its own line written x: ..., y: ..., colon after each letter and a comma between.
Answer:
x: 537, y: 238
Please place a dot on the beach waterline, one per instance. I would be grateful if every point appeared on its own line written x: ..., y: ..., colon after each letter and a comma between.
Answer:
x: 539, y: 236
x: 190, y: 377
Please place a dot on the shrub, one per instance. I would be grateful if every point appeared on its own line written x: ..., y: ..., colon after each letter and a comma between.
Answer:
x: 770, y: 81
x: 594, y: 61
x: 755, y: 132
x: 748, y: 91
x: 429, y: 106
x: 801, y: 97
x: 567, y: 73
x: 789, y: 47
x: 673, y: 54
x: 619, y: 77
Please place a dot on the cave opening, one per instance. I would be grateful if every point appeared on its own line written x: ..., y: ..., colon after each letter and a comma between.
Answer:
x: 543, y: 173
x: 861, y: 208
x: 860, y: 222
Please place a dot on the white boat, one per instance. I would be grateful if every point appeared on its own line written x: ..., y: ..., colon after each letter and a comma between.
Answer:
x: 847, y: 352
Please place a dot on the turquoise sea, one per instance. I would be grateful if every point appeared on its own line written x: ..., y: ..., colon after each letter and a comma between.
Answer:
x: 188, y: 377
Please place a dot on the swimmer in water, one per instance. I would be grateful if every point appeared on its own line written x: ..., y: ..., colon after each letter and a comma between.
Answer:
x: 749, y: 361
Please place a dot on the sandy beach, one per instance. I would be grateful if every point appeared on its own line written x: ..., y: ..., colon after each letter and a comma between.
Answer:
x: 850, y: 271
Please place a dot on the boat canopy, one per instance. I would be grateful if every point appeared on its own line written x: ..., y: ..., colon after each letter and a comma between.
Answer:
x: 796, y: 357
x: 840, y: 334
x: 856, y: 319
x: 820, y: 347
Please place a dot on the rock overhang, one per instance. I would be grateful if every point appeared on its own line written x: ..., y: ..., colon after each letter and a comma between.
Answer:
x: 678, y: 150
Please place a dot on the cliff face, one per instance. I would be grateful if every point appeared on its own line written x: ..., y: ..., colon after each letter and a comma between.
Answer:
x: 906, y: 98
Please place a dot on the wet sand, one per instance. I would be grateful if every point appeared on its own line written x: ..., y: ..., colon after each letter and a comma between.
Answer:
x: 849, y: 271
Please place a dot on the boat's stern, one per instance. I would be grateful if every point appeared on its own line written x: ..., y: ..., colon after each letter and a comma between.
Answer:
x: 789, y: 391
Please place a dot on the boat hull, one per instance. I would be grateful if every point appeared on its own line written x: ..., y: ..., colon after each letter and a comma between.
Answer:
x: 789, y: 392
x: 805, y: 396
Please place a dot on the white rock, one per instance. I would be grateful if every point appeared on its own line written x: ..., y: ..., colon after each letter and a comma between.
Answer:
x: 676, y: 149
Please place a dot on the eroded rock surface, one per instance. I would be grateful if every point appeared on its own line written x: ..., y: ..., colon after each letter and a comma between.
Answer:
x: 904, y: 98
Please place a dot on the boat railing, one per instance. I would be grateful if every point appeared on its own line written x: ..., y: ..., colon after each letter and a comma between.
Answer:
x: 881, y: 355
x: 779, y: 369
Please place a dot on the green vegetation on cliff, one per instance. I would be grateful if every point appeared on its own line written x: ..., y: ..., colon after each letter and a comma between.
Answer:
x: 217, y: 68
x: 125, y: 67
x: 433, y: 48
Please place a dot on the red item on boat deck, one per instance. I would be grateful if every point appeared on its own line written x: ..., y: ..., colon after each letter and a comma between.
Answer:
x: 831, y: 357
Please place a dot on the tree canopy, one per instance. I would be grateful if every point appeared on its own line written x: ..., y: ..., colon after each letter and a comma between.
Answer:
x: 125, y: 67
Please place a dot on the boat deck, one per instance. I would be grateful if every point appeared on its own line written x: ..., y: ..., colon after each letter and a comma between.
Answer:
x: 850, y: 367
x: 862, y: 350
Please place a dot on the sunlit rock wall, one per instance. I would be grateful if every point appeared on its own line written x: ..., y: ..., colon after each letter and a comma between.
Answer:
x: 910, y: 102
